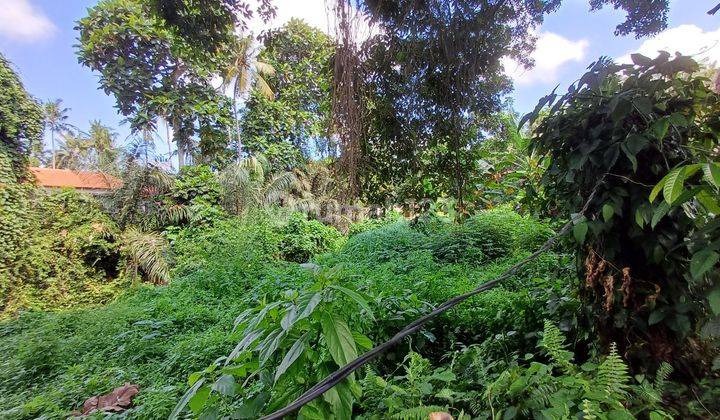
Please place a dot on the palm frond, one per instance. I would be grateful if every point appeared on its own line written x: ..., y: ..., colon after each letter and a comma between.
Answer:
x: 277, y: 186
x: 264, y: 68
x: 146, y: 251
x: 264, y: 88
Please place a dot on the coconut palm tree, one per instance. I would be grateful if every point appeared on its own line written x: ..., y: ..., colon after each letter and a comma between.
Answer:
x: 145, y: 252
x: 74, y: 152
x: 243, y: 73
x: 102, y: 141
x: 56, y: 121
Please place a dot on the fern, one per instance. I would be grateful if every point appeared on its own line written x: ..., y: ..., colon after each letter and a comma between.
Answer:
x: 418, y: 413
x: 650, y: 393
x: 590, y: 409
x: 662, y: 376
x: 554, y: 344
x: 540, y: 396
x: 612, y: 375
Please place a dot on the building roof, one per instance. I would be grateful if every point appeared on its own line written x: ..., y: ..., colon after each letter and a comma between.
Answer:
x: 84, y: 180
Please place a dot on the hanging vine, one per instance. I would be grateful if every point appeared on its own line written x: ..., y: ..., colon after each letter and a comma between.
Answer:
x: 346, y: 108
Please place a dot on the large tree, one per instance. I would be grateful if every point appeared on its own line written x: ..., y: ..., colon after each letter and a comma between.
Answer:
x: 435, y: 68
x: 435, y: 71
x: 158, y: 57
x: 296, y: 122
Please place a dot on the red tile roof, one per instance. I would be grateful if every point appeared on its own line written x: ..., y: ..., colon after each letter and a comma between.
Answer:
x: 59, y: 178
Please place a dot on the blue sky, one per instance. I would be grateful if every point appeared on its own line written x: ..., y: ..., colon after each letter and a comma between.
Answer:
x: 38, y: 37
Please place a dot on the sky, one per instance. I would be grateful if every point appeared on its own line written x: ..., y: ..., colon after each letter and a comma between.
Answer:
x: 38, y: 37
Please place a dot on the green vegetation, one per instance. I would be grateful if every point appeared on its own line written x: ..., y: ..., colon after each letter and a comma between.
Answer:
x: 650, y: 265
x: 330, y: 193
x: 157, y: 336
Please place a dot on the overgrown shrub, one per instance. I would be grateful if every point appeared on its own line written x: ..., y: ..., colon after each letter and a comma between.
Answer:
x: 302, y: 238
x: 230, y: 246
x: 70, y: 256
x: 476, y: 241
x: 151, y: 336
x: 373, y: 223
x: 526, y: 234
x: 385, y: 244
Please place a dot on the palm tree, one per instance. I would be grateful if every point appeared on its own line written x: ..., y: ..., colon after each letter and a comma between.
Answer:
x: 244, y: 72
x: 136, y: 201
x: 55, y: 120
x: 317, y: 193
x: 146, y: 251
x: 248, y: 184
x: 102, y: 140
x: 74, y: 152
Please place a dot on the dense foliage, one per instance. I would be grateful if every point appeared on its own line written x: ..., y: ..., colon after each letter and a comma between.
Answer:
x: 433, y: 77
x: 650, y: 266
x: 20, y: 120
x: 294, y: 124
x: 236, y: 284
x: 157, y: 58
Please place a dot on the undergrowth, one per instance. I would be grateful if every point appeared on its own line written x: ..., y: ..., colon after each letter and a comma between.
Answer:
x: 159, y: 337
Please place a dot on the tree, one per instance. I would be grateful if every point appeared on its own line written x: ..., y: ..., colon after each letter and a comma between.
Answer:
x: 20, y: 120
x: 157, y: 57
x: 56, y: 121
x: 435, y: 69
x: 102, y: 141
x: 74, y: 152
x: 250, y: 184
x: 243, y: 73
x: 644, y: 18
x: 299, y: 116
x: 432, y: 74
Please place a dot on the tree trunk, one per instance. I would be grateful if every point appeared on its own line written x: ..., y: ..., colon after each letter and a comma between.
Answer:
x: 179, y: 142
x: 237, y: 130
x: 52, y: 146
x: 167, y: 138
x: 181, y: 156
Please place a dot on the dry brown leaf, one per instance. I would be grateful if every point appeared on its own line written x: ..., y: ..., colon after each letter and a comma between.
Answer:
x: 119, y: 400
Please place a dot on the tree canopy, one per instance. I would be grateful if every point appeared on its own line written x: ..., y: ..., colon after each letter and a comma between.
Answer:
x: 157, y: 58
x: 297, y: 120
x: 21, y: 119
x: 431, y: 75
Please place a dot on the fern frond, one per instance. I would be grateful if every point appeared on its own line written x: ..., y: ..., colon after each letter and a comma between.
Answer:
x: 553, y: 342
x: 662, y: 375
x: 612, y: 375
x: 539, y: 397
x: 590, y: 409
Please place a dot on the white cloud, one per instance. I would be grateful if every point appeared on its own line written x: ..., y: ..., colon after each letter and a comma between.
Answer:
x: 311, y: 11
x: 686, y: 39
x: 316, y: 13
x: 21, y: 21
x: 551, y: 53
